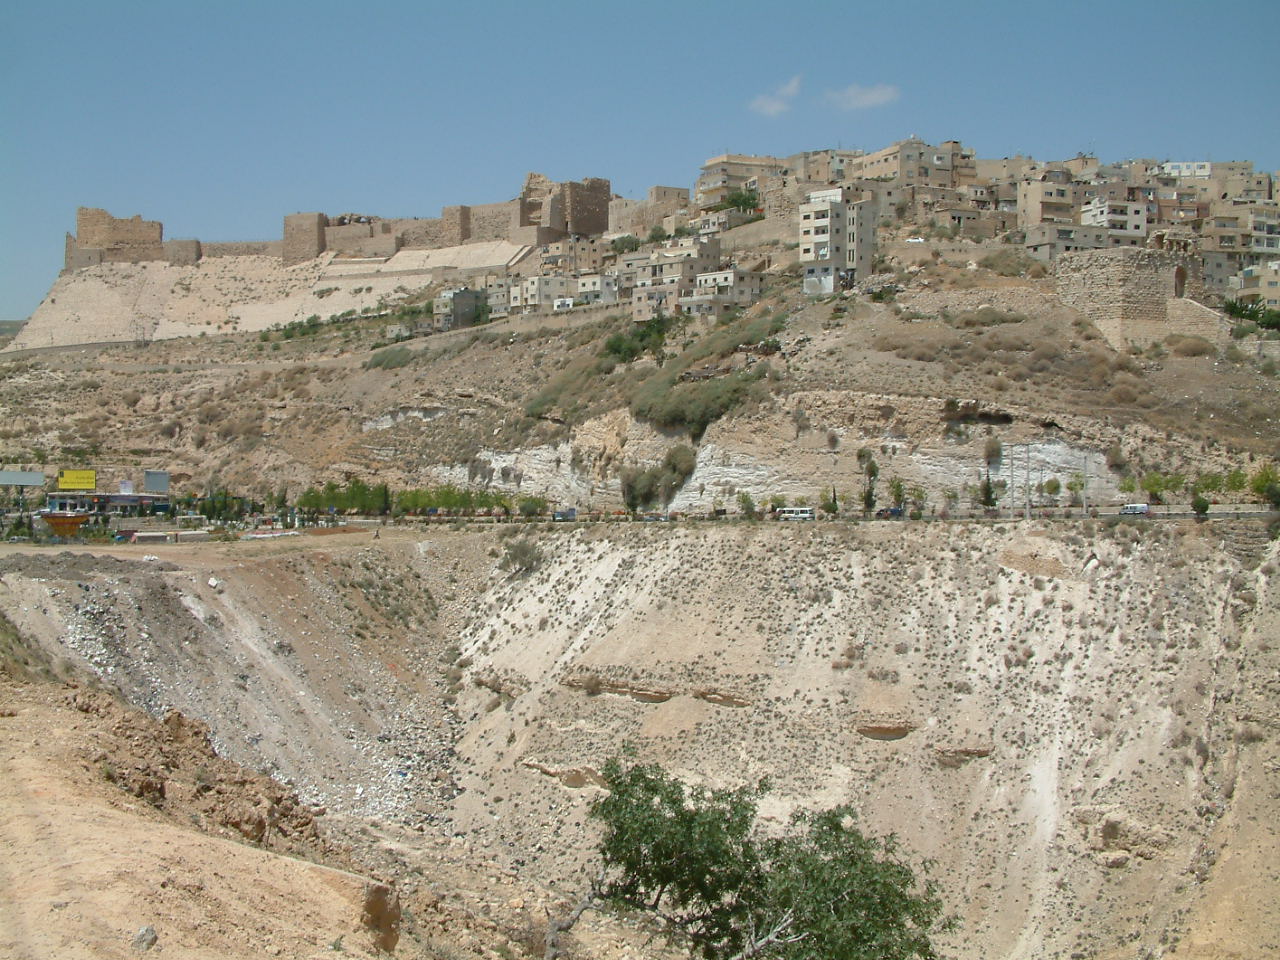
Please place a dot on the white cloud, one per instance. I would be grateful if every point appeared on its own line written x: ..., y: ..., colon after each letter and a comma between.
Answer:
x: 857, y: 97
x: 772, y: 104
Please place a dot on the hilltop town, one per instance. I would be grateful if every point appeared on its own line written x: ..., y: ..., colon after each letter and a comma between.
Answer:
x: 1168, y: 237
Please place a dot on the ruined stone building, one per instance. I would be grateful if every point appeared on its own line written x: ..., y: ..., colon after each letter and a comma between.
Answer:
x: 1137, y: 296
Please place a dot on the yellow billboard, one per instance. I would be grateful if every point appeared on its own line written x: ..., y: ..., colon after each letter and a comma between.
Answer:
x: 77, y: 479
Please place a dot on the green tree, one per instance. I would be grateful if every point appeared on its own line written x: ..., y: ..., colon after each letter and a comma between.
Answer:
x: 829, y: 502
x: 1153, y: 485
x: 1236, y: 481
x: 897, y: 491
x: 1209, y: 483
x: 627, y: 244
x: 1263, y: 479
x: 657, y: 234
x: 747, y: 505
x: 745, y: 200
x: 531, y: 506
x: 1200, y: 505
x: 987, y: 493
x: 724, y: 891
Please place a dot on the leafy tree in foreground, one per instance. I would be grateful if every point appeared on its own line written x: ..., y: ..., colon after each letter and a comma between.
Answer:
x: 694, y: 858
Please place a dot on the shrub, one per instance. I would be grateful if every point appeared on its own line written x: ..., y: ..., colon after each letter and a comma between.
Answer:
x: 389, y: 359
x: 1116, y: 460
x: 520, y: 555
x: 985, y: 317
x: 993, y: 451
x: 1007, y: 263
x: 1189, y: 346
x: 643, y: 488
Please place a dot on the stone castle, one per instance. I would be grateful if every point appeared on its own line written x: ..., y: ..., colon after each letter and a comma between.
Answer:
x: 544, y: 212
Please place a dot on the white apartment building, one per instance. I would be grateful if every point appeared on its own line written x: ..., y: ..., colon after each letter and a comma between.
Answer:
x: 1124, y: 220
x: 837, y: 239
x: 598, y: 288
x: 540, y: 293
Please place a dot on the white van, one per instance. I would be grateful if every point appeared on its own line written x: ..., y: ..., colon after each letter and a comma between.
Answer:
x: 1142, y: 509
x: 795, y: 513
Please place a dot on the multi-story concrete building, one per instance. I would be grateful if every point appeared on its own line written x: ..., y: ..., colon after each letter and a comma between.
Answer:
x: 1048, y: 241
x: 1258, y: 284
x: 823, y: 166
x: 1244, y: 227
x: 456, y: 308
x: 598, y: 288
x: 728, y: 172
x: 1126, y: 221
x: 912, y: 161
x: 837, y: 233
x: 573, y: 255
x: 497, y: 292
x: 1206, y: 169
x: 717, y: 292
x: 716, y: 222
x: 1052, y: 196
x: 533, y: 294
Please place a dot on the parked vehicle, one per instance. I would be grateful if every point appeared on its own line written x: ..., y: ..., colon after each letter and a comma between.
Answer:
x: 1140, y: 509
x: 795, y: 513
x: 889, y: 513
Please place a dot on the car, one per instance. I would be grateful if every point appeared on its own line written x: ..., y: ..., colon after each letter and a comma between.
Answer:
x: 889, y: 513
x: 915, y: 239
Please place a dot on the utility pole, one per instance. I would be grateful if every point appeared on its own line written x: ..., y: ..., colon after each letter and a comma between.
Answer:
x: 1027, y: 484
x: 1084, y: 484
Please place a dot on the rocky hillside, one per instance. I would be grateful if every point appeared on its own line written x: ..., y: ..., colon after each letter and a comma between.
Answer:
x: 968, y: 373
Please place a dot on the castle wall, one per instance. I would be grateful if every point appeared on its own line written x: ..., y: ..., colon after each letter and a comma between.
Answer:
x: 304, y: 237
x: 130, y: 240
x: 586, y: 206
x: 491, y: 221
x: 247, y: 248
x: 182, y: 253
x: 1136, y: 296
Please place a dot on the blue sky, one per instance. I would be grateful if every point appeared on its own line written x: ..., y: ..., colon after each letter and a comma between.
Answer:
x: 218, y: 119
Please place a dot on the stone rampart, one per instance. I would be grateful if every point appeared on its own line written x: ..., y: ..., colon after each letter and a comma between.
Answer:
x: 490, y: 221
x: 304, y: 237
x: 117, y: 240
x: 246, y: 248
x: 1135, y: 296
x: 587, y: 206
x: 182, y: 253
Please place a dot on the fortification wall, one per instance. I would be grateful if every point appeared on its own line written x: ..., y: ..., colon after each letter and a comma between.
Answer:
x: 348, y: 236
x: 1136, y: 296
x: 182, y: 253
x: 491, y: 221
x: 130, y: 240
x: 303, y: 237
x: 586, y: 205
x: 247, y: 248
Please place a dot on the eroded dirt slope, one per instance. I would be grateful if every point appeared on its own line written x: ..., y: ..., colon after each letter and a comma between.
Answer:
x: 1077, y: 722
